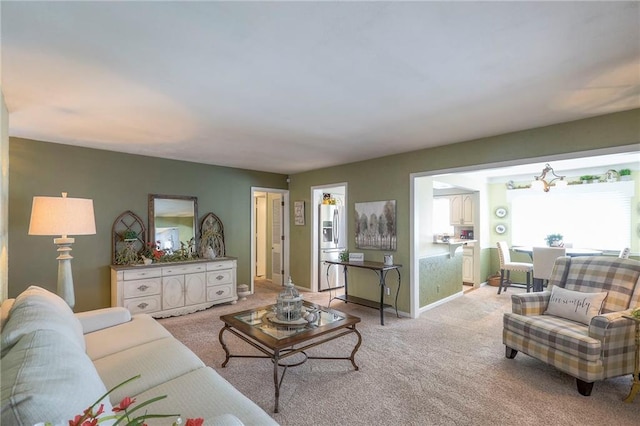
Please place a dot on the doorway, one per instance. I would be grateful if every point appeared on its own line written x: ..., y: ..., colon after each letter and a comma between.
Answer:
x: 270, y: 236
x: 337, y: 191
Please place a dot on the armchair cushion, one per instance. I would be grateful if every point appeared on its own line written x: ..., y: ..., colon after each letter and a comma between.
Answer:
x: 575, y: 305
x: 555, y: 333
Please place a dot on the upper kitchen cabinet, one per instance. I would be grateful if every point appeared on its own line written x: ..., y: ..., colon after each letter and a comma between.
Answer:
x: 461, y: 209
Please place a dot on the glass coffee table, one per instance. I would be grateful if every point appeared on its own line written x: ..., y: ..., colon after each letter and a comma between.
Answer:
x: 278, y: 340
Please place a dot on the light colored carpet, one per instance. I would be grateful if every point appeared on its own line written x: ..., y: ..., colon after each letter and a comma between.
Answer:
x: 445, y: 368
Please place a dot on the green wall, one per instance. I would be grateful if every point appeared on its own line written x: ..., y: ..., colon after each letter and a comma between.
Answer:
x: 116, y: 182
x: 389, y: 178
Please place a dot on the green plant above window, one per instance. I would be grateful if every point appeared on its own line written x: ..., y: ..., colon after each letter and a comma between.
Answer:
x: 625, y: 172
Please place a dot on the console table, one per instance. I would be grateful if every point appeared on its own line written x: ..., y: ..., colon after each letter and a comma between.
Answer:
x: 381, y: 270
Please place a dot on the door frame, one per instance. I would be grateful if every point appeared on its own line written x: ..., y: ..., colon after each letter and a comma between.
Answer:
x: 316, y: 200
x: 285, y: 228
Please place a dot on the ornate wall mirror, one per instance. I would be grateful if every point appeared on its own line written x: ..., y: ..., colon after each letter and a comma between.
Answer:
x: 173, y: 219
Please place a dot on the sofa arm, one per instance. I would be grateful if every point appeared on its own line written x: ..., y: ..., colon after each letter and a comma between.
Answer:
x: 530, y: 303
x: 103, y: 318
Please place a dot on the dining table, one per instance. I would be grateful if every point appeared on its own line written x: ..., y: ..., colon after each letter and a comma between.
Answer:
x: 569, y: 251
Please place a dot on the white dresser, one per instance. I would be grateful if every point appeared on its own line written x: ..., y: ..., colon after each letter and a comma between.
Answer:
x: 169, y: 289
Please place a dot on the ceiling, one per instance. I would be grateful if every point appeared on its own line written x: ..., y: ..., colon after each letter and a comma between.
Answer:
x: 294, y: 86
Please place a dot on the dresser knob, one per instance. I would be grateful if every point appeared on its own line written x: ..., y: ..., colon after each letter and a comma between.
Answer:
x: 143, y: 287
x: 219, y: 277
x: 219, y: 292
x: 143, y: 305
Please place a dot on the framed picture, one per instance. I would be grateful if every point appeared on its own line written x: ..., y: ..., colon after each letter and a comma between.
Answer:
x: 298, y: 212
x: 375, y: 225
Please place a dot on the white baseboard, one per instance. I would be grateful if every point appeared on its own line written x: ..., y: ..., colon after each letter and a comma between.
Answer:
x: 440, y: 302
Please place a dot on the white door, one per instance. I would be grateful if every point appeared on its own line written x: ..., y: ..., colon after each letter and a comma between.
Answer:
x: 261, y: 237
x: 277, y: 237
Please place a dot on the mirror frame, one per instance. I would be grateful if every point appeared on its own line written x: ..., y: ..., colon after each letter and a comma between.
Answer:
x: 152, y: 224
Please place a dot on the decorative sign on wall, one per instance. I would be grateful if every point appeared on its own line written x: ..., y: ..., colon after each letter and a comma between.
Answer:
x: 375, y: 225
x: 298, y: 212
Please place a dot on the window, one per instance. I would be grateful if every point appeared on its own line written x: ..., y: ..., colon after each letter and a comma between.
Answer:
x: 588, y: 216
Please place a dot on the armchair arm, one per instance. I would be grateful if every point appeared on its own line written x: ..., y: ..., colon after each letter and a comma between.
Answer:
x: 530, y: 303
x: 617, y: 335
x: 103, y: 318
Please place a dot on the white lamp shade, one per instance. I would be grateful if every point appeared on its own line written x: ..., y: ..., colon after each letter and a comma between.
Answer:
x: 62, y: 216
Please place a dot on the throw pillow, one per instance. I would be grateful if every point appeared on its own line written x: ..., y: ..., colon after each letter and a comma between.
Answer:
x: 37, y: 309
x: 46, y: 378
x: 575, y: 305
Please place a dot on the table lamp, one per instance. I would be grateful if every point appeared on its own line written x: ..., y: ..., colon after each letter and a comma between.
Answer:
x: 63, y: 216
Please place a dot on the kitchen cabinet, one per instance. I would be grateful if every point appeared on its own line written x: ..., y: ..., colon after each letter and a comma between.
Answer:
x: 163, y: 290
x: 467, y: 265
x: 461, y: 209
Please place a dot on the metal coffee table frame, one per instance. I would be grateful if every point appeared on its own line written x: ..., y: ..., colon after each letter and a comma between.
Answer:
x: 301, y: 339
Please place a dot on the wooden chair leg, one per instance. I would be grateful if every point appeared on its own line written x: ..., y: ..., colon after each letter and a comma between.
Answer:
x: 528, y: 282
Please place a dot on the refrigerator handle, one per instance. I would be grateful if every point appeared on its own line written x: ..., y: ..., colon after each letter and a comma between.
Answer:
x: 336, y: 226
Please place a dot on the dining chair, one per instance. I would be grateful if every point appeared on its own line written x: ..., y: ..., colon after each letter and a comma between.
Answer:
x: 506, y: 266
x: 544, y: 259
x: 624, y: 253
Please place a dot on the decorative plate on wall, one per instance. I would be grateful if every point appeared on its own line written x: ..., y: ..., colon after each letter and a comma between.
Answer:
x: 501, y: 212
x: 501, y: 229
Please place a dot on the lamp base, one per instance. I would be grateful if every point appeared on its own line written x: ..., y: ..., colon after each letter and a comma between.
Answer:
x: 65, y: 278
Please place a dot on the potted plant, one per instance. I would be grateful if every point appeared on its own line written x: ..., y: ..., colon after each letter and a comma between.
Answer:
x: 344, y: 256
x: 625, y: 174
x: 554, y: 240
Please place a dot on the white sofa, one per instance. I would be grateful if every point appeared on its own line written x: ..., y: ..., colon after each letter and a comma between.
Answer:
x: 55, y: 364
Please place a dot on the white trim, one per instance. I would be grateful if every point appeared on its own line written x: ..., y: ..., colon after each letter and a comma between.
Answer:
x: 441, y: 302
x: 287, y: 234
x: 315, y: 201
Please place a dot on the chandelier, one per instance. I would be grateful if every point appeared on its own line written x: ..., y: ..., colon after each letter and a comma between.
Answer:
x: 540, y: 183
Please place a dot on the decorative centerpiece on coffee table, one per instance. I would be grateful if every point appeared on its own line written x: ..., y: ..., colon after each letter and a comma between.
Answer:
x: 289, y: 303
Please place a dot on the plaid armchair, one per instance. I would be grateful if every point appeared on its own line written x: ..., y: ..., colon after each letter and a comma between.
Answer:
x: 604, y: 348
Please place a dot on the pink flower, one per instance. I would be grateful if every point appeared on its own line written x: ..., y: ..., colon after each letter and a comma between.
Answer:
x: 194, y: 422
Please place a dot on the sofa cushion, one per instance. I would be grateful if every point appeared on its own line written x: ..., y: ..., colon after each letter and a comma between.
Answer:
x: 204, y: 393
x: 556, y: 334
x: 141, y: 329
x: 156, y: 362
x: 592, y: 274
x: 46, y: 377
x: 574, y: 305
x: 39, y: 309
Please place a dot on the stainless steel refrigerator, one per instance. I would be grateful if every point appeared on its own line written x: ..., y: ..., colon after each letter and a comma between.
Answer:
x: 333, y: 240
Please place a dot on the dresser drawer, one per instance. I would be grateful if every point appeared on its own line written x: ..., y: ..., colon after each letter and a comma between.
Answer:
x: 224, y: 264
x: 138, y: 275
x: 140, y: 288
x: 219, y: 292
x: 143, y: 305
x: 182, y: 269
x: 220, y: 277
